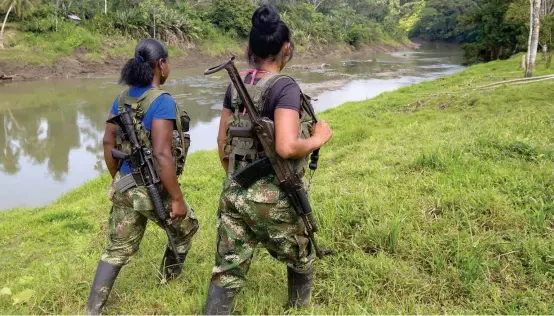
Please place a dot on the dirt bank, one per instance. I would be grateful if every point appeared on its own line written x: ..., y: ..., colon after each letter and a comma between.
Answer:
x: 79, y: 66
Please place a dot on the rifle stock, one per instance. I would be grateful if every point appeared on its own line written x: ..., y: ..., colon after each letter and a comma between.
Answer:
x: 290, y: 181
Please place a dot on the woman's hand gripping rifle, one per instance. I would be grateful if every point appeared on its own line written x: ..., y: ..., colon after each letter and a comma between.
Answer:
x: 143, y: 169
x: 289, y: 180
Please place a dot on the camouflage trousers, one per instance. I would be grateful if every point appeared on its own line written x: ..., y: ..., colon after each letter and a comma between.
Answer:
x: 260, y: 214
x: 128, y: 219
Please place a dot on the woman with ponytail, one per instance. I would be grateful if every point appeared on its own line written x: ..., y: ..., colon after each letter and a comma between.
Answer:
x: 262, y: 213
x: 158, y: 127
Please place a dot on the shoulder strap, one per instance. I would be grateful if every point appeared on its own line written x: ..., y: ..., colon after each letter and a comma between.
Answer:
x: 260, y: 91
x: 305, y: 101
x: 270, y: 79
x: 143, y: 102
x: 306, y: 104
x: 179, y: 126
x: 234, y: 94
x: 123, y: 99
x: 147, y: 98
x: 139, y: 109
x: 266, y: 84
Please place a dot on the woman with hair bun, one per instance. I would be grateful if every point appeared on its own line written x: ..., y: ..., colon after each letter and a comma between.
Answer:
x: 262, y: 213
x: 159, y: 127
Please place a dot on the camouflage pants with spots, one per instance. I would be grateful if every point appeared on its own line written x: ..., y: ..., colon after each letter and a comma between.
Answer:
x: 127, y: 223
x: 260, y: 214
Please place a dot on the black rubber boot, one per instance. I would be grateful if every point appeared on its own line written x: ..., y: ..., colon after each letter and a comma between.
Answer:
x: 106, y: 273
x: 300, y: 288
x: 220, y: 301
x: 171, y: 267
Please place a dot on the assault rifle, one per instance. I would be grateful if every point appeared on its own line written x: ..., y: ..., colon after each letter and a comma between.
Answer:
x: 143, y: 171
x: 289, y: 180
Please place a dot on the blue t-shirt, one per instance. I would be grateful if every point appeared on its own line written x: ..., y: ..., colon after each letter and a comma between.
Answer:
x: 163, y: 108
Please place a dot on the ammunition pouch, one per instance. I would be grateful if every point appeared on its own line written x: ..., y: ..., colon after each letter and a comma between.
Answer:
x: 241, y: 132
x: 181, y: 141
x: 253, y: 172
x: 180, y: 153
x: 185, y: 122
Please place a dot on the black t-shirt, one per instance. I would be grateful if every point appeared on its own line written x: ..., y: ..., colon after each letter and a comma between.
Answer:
x: 285, y: 94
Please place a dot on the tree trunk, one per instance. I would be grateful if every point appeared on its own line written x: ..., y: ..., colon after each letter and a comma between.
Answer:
x: 4, y: 25
x: 530, y: 30
x: 524, y: 62
x: 534, y: 36
x: 57, y: 13
x: 105, y: 6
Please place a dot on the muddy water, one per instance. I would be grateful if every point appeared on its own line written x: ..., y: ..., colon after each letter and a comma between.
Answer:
x: 51, y: 131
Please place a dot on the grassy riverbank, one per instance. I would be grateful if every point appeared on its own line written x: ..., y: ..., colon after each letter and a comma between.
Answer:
x: 77, y: 51
x: 436, y: 198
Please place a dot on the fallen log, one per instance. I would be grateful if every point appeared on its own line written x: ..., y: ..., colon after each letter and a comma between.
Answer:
x: 6, y: 77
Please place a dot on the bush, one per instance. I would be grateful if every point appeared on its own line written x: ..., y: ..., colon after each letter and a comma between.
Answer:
x: 40, y: 25
x: 101, y: 23
x: 41, y: 19
x: 367, y: 33
x: 42, y: 11
x: 355, y: 36
x: 308, y: 25
x: 233, y: 15
x: 65, y: 41
x: 474, y: 53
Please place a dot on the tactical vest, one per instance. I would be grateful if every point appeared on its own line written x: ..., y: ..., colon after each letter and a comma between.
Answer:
x: 249, y: 149
x: 181, y: 139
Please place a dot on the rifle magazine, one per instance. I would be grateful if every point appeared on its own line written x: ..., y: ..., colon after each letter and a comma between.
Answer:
x: 253, y: 172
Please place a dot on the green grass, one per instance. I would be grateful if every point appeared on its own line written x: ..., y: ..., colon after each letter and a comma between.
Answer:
x: 446, y: 206
x: 45, y: 48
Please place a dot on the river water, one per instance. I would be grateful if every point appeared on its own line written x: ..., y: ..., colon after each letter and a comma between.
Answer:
x: 51, y: 131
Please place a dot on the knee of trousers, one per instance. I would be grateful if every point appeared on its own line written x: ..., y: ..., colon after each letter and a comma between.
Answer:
x: 120, y: 255
x: 184, y: 232
x: 229, y: 281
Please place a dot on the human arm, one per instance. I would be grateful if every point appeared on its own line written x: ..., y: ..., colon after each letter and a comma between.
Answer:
x: 221, y: 137
x: 108, y: 142
x: 222, y: 133
x: 162, y: 138
x: 285, y: 100
x: 288, y: 144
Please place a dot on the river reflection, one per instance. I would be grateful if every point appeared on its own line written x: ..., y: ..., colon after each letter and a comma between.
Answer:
x: 51, y: 131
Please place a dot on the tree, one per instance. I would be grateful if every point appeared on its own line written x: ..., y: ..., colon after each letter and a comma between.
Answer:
x: 534, y: 32
x: 317, y: 3
x: 20, y: 7
x: 547, y: 8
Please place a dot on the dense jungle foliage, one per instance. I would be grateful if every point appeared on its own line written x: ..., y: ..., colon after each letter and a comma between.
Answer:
x: 489, y: 29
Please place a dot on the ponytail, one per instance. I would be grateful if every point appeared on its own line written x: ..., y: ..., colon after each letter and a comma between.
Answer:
x: 139, y: 70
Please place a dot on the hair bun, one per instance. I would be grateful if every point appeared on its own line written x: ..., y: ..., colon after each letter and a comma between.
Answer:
x: 266, y: 19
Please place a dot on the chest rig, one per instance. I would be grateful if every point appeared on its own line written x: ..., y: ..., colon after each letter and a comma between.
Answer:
x: 139, y: 106
x: 243, y: 149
